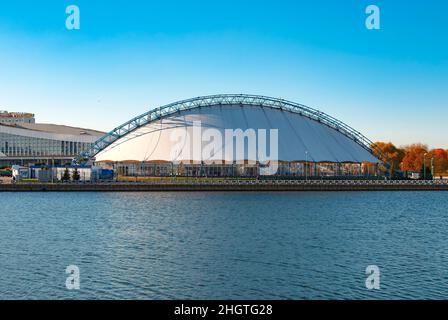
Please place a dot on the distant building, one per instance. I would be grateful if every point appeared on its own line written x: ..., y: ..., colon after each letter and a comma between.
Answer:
x: 16, y: 117
x: 23, y: 142
x: 414, y: 175
x: 48, y: 174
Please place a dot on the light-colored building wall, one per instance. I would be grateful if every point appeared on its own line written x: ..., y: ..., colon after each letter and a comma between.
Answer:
x: 85, y: 174
x: 43, y: 143
x: 16, y: 117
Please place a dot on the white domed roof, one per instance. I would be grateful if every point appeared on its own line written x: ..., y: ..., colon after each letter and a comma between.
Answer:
x: 301, y: 137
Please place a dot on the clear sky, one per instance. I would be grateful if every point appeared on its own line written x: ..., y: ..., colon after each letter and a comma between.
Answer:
x: 130, y: 56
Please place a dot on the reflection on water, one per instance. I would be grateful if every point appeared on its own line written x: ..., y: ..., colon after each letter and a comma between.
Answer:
x: 223, y: 245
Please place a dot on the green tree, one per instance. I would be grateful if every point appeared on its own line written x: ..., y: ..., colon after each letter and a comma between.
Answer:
x: 66, y: 175
x: 75, y: 175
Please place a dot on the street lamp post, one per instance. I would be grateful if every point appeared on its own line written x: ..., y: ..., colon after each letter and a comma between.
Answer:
x: 306, y: 165
x: 424, y: 166
x: 432, y: 167
x: 52, y: 170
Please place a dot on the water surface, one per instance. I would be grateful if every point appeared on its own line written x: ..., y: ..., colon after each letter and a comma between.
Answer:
x: 224, y: 245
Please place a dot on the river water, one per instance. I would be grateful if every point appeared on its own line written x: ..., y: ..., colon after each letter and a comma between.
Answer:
x: 293, y: 245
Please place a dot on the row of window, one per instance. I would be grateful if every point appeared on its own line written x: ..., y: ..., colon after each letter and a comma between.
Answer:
x: 296, y: 170
x: 20, y: 146
x: 17, y: 120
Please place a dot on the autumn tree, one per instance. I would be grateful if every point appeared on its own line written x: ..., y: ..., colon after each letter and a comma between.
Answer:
x: 440, y: 161
x: 413, y: 159
x: 389, y: 153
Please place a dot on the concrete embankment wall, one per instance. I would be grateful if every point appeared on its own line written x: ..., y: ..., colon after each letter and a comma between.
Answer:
x: 133, y: 187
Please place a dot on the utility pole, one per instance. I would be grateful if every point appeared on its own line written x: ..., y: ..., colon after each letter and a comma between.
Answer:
x: 424, y: 166
x: 52, y: 170
x: 432, y: 167
x: 306, y: 165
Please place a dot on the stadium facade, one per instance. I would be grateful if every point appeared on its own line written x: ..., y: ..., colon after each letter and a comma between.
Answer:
x: 298, y: 141
x: 23, y: 142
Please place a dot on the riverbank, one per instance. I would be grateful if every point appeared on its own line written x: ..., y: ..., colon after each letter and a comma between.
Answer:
x: 231, y: 185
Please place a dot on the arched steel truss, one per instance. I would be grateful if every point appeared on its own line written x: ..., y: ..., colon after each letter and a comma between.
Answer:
x: 225, y: 99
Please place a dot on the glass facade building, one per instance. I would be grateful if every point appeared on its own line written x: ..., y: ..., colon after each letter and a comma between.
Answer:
x: 45, y: 144
x: 16, y: 117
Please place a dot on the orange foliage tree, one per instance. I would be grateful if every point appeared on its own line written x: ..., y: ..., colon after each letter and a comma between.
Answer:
x: 389, y: 153
x: 410, y: 158
x: 413, y: 159
x: 440, y: 161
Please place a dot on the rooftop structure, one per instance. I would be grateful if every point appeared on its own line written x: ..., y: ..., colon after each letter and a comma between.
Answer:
x: 29, y: 142
x: 162, y: 140
x: 16, y: 117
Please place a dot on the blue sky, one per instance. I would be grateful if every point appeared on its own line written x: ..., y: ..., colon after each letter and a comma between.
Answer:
x: 130, y: 56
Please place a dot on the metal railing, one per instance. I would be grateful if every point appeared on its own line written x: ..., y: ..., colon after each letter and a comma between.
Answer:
x: 226, y: 99
x: 443, y: 182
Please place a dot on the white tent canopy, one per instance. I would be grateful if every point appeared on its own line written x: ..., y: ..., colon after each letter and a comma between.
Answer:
x: 173, y: 138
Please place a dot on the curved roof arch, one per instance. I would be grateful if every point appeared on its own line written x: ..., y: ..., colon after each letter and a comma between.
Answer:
x: 225, y: 99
